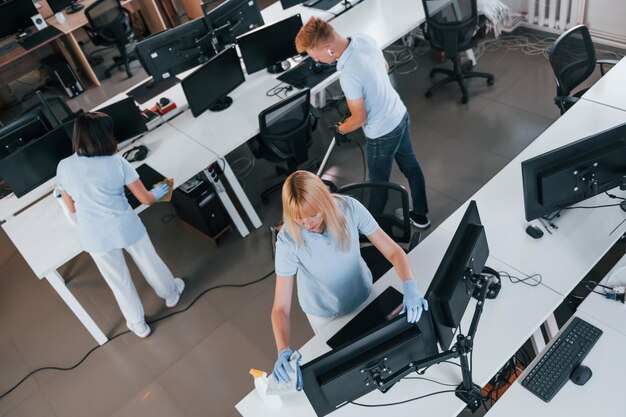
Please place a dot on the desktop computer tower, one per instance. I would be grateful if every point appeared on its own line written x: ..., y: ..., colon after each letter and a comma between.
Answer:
x: 197, y: 203
x: 64, y: 76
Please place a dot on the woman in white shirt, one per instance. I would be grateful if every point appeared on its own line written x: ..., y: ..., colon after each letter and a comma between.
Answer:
x: 92, y: 183
x: 319, y: 246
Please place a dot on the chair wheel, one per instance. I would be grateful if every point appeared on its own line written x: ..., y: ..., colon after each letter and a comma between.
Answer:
x: 107, y: 74
x: 428, y: 94
x: 464, y: 100
x: 432, y: 73
x: 490, y: 81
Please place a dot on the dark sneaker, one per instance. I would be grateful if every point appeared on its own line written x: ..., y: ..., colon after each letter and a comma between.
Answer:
x: 419, y: 220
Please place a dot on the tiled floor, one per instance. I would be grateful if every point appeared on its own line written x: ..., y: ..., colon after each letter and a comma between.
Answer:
x: 196, y: 363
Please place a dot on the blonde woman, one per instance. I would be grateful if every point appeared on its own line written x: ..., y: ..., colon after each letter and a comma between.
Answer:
x: 319, y: 245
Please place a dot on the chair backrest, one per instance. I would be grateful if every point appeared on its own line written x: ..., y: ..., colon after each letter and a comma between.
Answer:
x: 573, y: 59
x: 383, y: 200
x: 285, y: 128
x: 109, y: 20
x: 450, y: 27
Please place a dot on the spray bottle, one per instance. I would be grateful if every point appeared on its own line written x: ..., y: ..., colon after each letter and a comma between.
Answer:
x: 261, y: 384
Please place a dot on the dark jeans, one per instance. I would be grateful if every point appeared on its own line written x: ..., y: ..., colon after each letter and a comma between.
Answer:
x: 396, y: 145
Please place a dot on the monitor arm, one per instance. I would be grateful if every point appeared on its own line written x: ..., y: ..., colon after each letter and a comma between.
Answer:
x: 587, y: 180
x: 384, y: 378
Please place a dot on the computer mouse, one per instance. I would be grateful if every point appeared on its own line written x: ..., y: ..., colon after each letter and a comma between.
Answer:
x: 534, y: 231
x: 580, y: 375
x: 164, y: 101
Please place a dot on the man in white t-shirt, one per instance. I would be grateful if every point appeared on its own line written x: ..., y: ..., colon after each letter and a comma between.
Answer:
x: 374, y: 105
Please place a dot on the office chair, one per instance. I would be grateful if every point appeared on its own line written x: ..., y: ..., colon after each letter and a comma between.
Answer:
x: 110, y: 25
x: 383, y: 200
x: 454, y: 28
x: 573, y: 60
x: 285, y: 135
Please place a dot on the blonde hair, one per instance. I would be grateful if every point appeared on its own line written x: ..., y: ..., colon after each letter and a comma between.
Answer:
x: 305, y: 194
x: 315, y: 32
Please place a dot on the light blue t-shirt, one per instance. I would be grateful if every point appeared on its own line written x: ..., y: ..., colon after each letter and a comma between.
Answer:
x: 363, y: 74
x: 331, y: 282
x: 96, y: 184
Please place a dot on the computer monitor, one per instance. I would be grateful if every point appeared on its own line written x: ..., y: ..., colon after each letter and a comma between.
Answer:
x: 36, y: 162
x: 453, y: 284
x: 348, y: 372
x: 167, y: 53
x: 270, y: 46
x: 15, y: 16
x: 386, y: 354
x: 575, y: 172
x: 239, y: 15
x: 290, y: 3
x: 128, y: 122
x: 69, y: 6
x: 19, y: 132
x: 208, y: 86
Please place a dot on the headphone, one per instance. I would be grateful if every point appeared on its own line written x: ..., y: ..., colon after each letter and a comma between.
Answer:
x: 494, y: 284
x: 138, y: 153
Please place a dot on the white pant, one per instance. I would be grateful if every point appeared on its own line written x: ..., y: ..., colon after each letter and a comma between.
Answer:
x: 318, y: 323
x: 113, y: 268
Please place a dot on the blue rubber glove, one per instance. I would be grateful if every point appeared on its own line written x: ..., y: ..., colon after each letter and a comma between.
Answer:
x: 413, y: 301
x: 282, y: 368
x: 160, y: 191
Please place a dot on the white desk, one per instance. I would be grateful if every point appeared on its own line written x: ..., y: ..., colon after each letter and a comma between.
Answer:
x: 583, y: 237
x: 46, y: 239
x: 496, y: 341
x: 609, y: 90
x: 275, y: 12
x: 600, y: 396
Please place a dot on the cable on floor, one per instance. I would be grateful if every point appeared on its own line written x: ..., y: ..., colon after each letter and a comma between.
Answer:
x: 69, y: 368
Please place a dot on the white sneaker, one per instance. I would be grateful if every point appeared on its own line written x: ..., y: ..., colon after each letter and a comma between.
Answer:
x: 142, y: 330
x: 180, y: 286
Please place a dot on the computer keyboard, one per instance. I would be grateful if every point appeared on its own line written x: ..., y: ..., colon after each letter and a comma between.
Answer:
x: 5, y: 49
x: 39, y: 37
x: 554, y: 368
x: 303, y: 75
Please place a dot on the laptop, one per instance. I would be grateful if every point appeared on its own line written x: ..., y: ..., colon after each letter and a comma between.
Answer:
x: 382, y: 309
x: 148, y: 176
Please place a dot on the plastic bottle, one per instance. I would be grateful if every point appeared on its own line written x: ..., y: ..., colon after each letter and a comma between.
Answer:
x: 260, y: 383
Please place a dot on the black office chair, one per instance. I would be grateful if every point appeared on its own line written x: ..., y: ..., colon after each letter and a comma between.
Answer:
x: 452, y: 29
x: 110, y: 25
x: 286, y: 133
x: 573, y: 59
x: 389, y: 204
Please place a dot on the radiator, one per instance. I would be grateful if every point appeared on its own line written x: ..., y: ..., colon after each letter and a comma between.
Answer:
x: 556, y: 14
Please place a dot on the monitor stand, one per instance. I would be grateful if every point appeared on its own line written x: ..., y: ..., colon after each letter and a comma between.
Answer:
x: 221, y: 104
x: 150, y: 89
x: 74, y: 8
x: 279, y: 67
x: 467, y: 391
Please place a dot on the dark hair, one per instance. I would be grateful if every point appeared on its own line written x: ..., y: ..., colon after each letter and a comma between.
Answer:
x: 93, y: 135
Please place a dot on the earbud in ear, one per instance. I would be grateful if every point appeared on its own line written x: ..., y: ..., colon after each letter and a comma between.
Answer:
x: 330, y: 52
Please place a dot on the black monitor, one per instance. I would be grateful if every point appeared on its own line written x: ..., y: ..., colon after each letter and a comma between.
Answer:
x: 36, y: 163
x: 290, y: 3
x: 128, y: 122
x: 452, y: 286
x: 208, y: 86
x: 167, y: 53
x: 19, y: 132
x: 239, y: 16
x: 575, y: 172
x: 70, y: 6
x: 270, y: 46
x: 384, y: 355
x: 15, y: 16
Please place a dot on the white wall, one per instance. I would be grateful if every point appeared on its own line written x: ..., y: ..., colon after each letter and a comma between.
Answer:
x: 607, y: 19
